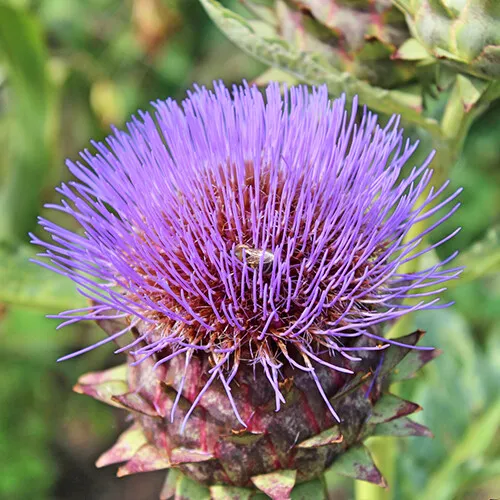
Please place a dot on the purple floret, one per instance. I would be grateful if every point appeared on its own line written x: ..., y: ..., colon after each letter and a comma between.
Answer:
x: 251, y: 230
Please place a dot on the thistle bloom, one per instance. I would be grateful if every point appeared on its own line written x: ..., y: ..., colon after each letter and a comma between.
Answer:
x: 263, y: 234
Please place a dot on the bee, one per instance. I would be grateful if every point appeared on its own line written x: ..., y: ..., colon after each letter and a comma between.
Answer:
x: 253, y: 257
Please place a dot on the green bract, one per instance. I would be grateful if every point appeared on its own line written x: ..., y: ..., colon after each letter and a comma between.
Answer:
x: 282, y: 454
x: 355, y: 36
x: 462, y: 33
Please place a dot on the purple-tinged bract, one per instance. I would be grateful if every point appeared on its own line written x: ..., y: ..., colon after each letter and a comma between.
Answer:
x: 254, y: 231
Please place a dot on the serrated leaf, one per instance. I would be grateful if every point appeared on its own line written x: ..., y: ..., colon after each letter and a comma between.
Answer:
x: 29, y: 285
x: 309, y: 67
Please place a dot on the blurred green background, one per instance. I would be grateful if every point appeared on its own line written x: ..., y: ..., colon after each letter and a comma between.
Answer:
x: 68, y: 70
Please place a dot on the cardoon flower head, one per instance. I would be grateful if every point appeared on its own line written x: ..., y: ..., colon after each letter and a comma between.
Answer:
x: 253, y: 246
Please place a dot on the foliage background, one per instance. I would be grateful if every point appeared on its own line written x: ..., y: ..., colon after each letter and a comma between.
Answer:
x: 68, y: 70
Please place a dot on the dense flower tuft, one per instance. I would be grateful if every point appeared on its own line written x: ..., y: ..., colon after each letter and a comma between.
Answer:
x: 251, y: 230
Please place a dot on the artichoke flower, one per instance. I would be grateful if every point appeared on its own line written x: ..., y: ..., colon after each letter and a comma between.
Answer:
x: 247, y: 253
x: 464, y: 34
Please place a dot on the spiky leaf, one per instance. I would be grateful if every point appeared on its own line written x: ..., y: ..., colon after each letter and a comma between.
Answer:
x: 412, y: 363
x: 390, y: 407
x: 395, y: 353
x: 104, y: 385
x: 330, y: 436
x: 125, y: 448
x: 147, y: 458
x: 402, y: 427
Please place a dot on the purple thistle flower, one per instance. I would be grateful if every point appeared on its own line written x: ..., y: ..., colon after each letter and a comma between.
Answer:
x: 256, y: 231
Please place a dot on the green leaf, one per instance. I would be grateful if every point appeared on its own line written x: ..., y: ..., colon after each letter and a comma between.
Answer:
x: 325, y: 438
x: 223, y: 492
x: 276, y: 484
x: 125, y: 448
x: 27, y: 284
x: 264, y: 9
x: 402, y: 427
x: 28, y: 157
x: 453, y: 391
x: 311, y: 67
x: 187, y: 489
x: 275, y: 75
x: 486, y: 471
x: 310, y: 490
x: 482, y: 258
x: 357, y: 463
x: 395, y: 353
x: 170, y: 484
x: 390, y: 407
x: 148, y: 458
x: 475, y: 442
x: 412, y: 50
x: 412, y: 363
x: 465, y: 94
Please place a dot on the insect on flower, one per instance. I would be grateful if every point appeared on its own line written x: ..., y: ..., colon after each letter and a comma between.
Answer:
x: 254, y: 257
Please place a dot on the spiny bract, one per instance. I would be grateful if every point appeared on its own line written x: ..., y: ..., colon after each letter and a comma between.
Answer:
x: 252, y: 248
